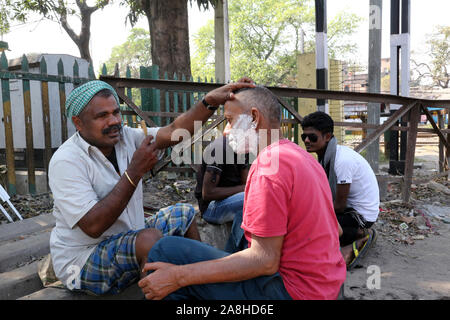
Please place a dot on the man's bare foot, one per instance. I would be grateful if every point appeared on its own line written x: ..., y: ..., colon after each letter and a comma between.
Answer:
x: 347, y: 251
x: 362, y: 233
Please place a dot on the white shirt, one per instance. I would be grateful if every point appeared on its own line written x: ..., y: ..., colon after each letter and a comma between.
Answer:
x: 364, y: 197
x: 79, y: 177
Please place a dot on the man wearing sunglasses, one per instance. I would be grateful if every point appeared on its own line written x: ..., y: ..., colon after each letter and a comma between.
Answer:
x: 353, y: 185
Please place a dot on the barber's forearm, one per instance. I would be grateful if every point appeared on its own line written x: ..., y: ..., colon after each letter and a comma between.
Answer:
x: 186, y: 121
x: 106, y: 212
x: 198, y: 113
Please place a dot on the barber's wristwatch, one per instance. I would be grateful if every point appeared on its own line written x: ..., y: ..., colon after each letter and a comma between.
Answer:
x: 208, y: 106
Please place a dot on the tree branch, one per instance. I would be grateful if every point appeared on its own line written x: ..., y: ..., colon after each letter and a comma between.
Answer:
x: 63, y: 21
x: 274, y: 42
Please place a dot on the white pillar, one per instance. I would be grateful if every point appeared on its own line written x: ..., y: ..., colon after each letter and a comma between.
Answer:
x: 222, y: 42
x: 321, y: 52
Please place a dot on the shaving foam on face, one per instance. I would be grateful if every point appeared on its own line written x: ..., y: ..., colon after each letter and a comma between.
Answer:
x: 242, y: 137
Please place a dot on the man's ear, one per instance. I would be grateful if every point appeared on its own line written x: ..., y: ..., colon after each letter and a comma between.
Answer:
x: 256, y: 115
x: 328, y: 136
x: 77, y: 122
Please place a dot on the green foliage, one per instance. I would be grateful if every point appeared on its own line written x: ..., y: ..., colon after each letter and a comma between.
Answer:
x: 49, y: 9
x: 266, y: 38
x: 262, y: 42
x: 203, y: 63
x: 205, y: 3
x: 134, y: 52
x: 137, y: 8
x: 340, y: 31
x: 5, y: 16
x: 438, y: 50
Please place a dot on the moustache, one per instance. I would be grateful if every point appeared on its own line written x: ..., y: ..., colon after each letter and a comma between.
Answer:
x: 108, y: 130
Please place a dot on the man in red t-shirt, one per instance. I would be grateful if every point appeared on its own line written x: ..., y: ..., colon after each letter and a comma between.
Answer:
x: 288, y: 220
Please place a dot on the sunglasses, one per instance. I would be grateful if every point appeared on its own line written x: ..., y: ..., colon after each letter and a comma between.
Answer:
x: 311, y: 136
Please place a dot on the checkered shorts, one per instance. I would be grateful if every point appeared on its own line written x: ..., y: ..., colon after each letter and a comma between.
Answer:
x: 113, y: 265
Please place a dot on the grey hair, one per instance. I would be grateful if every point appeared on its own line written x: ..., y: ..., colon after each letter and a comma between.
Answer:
x: 262, y: 99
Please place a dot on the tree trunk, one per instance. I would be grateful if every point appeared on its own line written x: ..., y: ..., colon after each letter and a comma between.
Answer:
x: 169, y: 34
x: 82, y: 39
x: 85, y: 34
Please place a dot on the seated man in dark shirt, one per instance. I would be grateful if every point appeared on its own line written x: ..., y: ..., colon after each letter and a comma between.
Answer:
x: 220, y: 189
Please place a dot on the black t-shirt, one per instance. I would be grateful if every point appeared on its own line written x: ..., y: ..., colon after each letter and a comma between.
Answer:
x: 113, y: 159
x: 220, y: 158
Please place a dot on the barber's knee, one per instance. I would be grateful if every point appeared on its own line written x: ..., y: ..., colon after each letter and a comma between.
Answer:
x: 148, y: 237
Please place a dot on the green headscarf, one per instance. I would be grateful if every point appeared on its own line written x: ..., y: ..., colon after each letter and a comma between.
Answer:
x: 79, y: 98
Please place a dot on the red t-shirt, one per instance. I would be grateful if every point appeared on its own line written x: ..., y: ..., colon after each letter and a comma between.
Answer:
x: 289, y: 196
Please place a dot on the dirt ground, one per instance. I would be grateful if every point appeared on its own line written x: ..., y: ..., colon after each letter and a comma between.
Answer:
x: 407, y: 272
